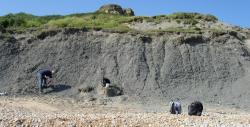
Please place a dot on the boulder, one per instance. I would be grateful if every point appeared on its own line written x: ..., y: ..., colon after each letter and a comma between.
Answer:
x: 115, y: 9
x: 111, y: 9
x: 113, y: 91
x: 110, y: 91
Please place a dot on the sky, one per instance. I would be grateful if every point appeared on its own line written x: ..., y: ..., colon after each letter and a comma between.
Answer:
x: 236, y: 12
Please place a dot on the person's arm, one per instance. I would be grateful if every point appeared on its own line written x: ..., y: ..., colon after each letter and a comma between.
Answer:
x: 107, y: 85
x: 170, y: 106
x: 49, y: 80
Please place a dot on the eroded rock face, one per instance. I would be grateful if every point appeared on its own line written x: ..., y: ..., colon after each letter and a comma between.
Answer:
x: 115, y: 9
x: 189, y: 66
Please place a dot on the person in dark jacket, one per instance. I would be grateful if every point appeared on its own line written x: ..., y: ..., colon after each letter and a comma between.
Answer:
x: 175, y: 107
x: 44, y: 78
x: 105, y: 82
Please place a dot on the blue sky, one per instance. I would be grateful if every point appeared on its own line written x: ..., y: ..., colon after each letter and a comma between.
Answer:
x: 235, y: 12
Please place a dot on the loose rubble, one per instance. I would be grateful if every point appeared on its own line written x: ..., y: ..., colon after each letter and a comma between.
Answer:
x: 14, y: 114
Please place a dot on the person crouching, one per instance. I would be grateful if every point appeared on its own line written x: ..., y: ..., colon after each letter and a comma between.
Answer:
x: 44, y: 78
x: 175, y: 107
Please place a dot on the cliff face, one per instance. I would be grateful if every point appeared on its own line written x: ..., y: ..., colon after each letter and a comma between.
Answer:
x: 187, y: 66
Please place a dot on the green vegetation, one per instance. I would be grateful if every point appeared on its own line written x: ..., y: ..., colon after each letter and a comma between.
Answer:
x: 88, y: 20
x: 91, y: 21
x: 176, y: 30
x: 22, y: 21
x: 185, y: 18
x: 193, y: 16
x: 192, y: 30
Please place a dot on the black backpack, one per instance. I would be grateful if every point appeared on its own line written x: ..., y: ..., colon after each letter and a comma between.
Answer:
x: 195, y: 108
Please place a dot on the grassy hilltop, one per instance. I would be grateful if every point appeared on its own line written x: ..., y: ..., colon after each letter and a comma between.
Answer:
x: 117, y: 19
x: 23, y: 21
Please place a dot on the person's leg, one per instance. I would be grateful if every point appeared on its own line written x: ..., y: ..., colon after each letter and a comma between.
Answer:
x: 44, y: 84
x: 177, y: 109
x: 39, y: 82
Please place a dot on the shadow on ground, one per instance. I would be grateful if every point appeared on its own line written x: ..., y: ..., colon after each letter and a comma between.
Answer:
x: 58, y: 88
x: 113, y: 91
